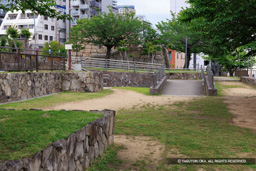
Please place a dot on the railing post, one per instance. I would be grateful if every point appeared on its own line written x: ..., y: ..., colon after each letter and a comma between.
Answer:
x: 134, y: 66
x: 31, y: 63
x: 51, y: 63
x: 64, y: 62
x: 37, y: 66
x: 18, y: 56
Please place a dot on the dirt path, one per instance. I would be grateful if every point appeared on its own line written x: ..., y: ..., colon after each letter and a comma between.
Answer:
x: 241, y: 103
x: 120, y: 99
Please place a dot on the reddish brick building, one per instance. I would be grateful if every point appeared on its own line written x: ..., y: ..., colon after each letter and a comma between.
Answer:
x: 172, y: 58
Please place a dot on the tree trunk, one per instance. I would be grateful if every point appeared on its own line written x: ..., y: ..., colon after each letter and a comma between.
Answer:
x: 188, y: 59
x: 108, y: 52
x: 166, y: 58
x: 231, y: 72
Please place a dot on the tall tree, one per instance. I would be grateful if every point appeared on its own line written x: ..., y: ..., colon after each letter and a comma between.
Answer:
x: 42, y: 7
x: 230, y: 23
x: 152, y: 44
x: 108, y: 29
x: 177, y: 35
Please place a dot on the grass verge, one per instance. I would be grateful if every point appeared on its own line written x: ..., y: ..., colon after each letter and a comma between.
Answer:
x: 201, y: 128
x: 143, y: 90
x: 23, y: 133
x: 55, y: 99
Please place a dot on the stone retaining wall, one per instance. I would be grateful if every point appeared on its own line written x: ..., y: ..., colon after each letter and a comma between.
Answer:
x: 127, y: 79
x: 185, y: 76
x: 22, y: 86
x: 248, y: 80
x: 75, y: 153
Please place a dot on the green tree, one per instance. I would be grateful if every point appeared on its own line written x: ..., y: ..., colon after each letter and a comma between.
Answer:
x: 229, y: 23
x: 12, y: 34
x: 27, y: 34
x: 54, y: 48
x: 42, y: 7
x: 76, y: 39
x: 152, y: 44
x: 176, y: 35
x: 108, y: 29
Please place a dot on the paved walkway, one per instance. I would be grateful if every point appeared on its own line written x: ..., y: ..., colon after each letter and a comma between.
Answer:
x: 183, y: 88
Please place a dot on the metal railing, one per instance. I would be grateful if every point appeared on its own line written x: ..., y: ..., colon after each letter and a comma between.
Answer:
x: 12, y: 59
x: 111, y: 64
x: 158, y: 76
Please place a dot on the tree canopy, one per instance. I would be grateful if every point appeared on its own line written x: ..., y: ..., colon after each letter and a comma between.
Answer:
x: 229, y: 23
x: 176, y: 35
x: 108, y: 29
x: 42, y: 7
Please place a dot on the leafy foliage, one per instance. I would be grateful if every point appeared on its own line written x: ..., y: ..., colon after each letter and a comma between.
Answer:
x: 54, y: 48
x: 151, y: 43
x: 42, y: 7
x: 108, y: 29
x: 27, y: 34
x: 229, y: 24
x: 77, y: 39
x: 174, y: 35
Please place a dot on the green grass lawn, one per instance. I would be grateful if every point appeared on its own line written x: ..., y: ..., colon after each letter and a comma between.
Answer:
x: 143, y: 90
x: 55, y: 99
x: 201, y: 128
x: 23, y: 133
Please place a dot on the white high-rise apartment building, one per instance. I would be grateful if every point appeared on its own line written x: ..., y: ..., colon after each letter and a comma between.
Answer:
x: 125, y: 9
x: 47, y: 29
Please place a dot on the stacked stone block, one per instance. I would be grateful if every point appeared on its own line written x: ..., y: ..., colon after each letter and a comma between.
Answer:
x: 76, y: 153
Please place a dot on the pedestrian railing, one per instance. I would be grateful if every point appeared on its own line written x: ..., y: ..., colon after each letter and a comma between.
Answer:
x: 158, y: 76
x: 12, y: 59
x: 111, y: 64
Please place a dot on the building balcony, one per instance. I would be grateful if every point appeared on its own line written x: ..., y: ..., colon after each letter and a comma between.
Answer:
x: 93, y: 12
x: 84, y: 6
x: 83, y: 16
x: 75, y: 13
x: 94, y: 4
x: 74, y: 22
x: 75, y: 3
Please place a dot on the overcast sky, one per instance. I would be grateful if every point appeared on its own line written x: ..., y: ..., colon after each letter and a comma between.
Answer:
x: 154, y: 10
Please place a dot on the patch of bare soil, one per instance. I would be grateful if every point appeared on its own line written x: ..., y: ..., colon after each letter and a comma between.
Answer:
x: 139, y: 153
x: 241, y: 103
x: 120, y: 99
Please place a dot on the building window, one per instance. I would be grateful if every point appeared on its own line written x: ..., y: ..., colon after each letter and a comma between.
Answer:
x: 51, y: 38
x: 31, y: 26
x: 177, y: 56
x: 5, y: 27
x: 45, y: 37
x: 64, y: 20
x: 40, y: 37
x: 46, y: 27
x: 52, y: 28
x: 45, y: 18
x: 181, y: 56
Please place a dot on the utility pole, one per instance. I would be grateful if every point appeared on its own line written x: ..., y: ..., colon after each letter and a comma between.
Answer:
x: 186, y: 53
x: 35, y: 30
x: 69, y: 51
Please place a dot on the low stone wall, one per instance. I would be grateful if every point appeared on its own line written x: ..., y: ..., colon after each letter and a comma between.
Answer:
x: 159, y: 87
x: 22, y: 86
x: 248, y: 80
x: 82, y: 81
x: 75, y: 153
x: 127, y: 79
x: 185, y: 76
